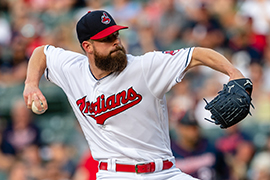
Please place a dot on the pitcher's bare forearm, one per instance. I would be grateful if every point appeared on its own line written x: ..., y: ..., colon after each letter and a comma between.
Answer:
x: 36, y: 66
x: 214, y: 60
x: 35, y: 70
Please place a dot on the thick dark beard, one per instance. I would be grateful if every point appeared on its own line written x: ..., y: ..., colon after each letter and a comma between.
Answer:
x: 116, y: 63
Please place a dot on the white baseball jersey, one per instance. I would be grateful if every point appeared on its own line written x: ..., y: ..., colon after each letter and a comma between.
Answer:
x: 122, y: 116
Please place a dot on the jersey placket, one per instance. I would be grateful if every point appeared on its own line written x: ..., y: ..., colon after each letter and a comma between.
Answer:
x: 96, y: 94
x: 96, y: 91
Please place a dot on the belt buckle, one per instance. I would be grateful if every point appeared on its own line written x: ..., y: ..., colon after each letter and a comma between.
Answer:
x: 136, y: 168
x: 148, y: 167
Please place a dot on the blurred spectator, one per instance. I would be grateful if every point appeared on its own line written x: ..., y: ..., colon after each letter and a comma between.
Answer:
x: 153, y: 10
x: 89, y: 6
x: 254, y: 18
x: 87, y: 168
x: 202, y: 29
x: 59, y: 21
x: 5, y: 30
x: 60, y: 164
x: 33, y: 162
x: 194, y: 154
x: 260, y: 164
x: 13, y: 63
x: 25, y: 31
x: 240, y: 162
x: 57, y: 13
x: 6, y: 160
x: 53, y: 172
x: 124, y: 11
x: 147, y: 40
x: 21, y: 132
x: 266, y: 68
x: 94, y: 4
x: 63, y: 36
x: 245, y: 47
x: 226, y: 13
x: 18, y: 171
x: 180, y: 99
x: 3, y: 5
x: 260, y: 167
x: 261, y: 97
x: 232, y: 137
x: 259, y: 12
x: 26, y: 25
x: 238, y: 149
x: 170, y: 25
x: 241, y: 50
x: 78, y: 142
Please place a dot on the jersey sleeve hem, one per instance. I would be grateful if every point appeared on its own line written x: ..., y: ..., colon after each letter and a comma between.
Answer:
x: 46, y: 72
x: 188, y: 60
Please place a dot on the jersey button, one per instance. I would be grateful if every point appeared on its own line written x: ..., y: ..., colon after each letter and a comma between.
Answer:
x: 98, y: 83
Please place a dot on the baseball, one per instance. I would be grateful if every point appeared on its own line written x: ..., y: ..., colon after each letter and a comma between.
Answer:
x: 35, y: 109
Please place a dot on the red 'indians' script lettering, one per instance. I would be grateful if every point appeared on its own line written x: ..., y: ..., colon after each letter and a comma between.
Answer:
x: 105, y: 108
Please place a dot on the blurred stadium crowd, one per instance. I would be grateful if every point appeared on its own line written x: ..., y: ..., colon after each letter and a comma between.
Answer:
x: 52, y: 147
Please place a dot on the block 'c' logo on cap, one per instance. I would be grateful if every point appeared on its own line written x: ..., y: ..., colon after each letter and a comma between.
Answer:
x: 105, y: 18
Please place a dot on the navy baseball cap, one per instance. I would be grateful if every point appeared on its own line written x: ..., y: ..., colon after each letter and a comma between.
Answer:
x: 188, y: 119
x: 96, y: 25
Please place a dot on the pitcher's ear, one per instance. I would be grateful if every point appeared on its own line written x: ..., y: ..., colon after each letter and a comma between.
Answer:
x: 87, y: 46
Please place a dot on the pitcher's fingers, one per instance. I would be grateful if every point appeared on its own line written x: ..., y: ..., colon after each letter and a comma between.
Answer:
x: 25, y: 100
x: 37, y: 102
x: 44, y: 102
x: 29, y: 102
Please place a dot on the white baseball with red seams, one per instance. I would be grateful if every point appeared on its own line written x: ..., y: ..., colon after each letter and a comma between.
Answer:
x: 116, y: 112
x: 35, y: 109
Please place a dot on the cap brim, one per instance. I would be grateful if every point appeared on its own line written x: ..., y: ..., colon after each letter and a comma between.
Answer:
x: 108, y: 31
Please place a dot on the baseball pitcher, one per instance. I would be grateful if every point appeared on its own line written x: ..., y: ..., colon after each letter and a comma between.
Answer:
x: 119, y: 99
